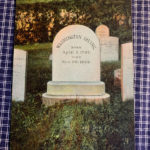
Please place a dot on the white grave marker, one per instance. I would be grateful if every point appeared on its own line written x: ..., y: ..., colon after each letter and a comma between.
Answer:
x: 76, y: 55
x: 19, y: 75
x: 102, y: 31
x: 109, y: 46
x: 127, y: 71
x: 109, y: 49
x: 76, y: 67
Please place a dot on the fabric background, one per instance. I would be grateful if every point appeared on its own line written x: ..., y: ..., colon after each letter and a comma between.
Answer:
x: 7, y: 10
x: 141, y: 40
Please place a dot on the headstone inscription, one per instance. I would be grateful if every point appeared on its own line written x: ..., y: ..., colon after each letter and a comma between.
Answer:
x: 127, y: 71
x: 109, y: 46
x: 75, y: 67
x: 19, y: 75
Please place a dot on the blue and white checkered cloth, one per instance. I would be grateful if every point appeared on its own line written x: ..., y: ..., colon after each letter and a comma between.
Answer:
x: 141, y: 40
x: 7, y: 10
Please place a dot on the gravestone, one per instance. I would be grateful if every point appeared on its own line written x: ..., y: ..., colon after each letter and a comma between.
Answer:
x: 102, y: 31
x: 127, y: 71
x: 117, y: 78
x: 75, y: 67
x: 109, y: 46
x: 19, y: 75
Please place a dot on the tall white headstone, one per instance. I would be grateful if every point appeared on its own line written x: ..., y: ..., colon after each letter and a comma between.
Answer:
x: 127, y: 71
x: 19, y: 75
x: 76, y: 50
x: 76, y: 66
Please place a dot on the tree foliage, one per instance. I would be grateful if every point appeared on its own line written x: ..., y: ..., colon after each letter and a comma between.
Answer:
x: 41, y: 21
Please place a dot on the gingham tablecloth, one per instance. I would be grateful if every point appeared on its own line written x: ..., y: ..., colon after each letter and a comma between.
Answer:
x: 6, y: 50
x: 141, y: 40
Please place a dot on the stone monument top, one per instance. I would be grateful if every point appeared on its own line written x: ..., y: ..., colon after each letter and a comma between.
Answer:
x: 109, y: 45
x: 76, y: 55
x: 102, y: 31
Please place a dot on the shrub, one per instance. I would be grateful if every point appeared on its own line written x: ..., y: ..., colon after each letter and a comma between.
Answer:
x: 40, y: 22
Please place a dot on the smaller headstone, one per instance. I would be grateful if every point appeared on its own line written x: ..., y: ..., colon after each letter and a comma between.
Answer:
x: 117, y: 78
x: 102, y: 31
x: 127, y: 71
x: 109, y: 46
x: 19, y: 75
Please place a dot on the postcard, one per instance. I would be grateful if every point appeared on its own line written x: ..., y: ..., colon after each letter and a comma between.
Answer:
x: 72, y: 76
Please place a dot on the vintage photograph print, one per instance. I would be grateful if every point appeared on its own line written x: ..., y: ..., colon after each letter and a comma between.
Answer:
x: 72, y: 76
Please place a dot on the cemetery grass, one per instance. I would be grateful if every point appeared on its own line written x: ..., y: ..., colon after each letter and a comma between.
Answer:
x: 70, y: 126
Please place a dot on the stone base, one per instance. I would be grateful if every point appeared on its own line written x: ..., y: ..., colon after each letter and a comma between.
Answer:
x: 75, y: 88
x: 50, y: 100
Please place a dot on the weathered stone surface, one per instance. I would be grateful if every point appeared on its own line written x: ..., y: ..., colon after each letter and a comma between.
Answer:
x: 76, y: 55
x: 109, y: 45
x: 102, y: 31
x: 75, y: 88
x: 127, y: 71
x: 50, y: 100
x: 19, y: 75
x: 76, y: 68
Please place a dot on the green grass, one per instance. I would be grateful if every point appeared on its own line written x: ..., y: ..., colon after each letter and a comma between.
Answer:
x: 71, y: 126
x: 35, y: 46
x: 38, y: 54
